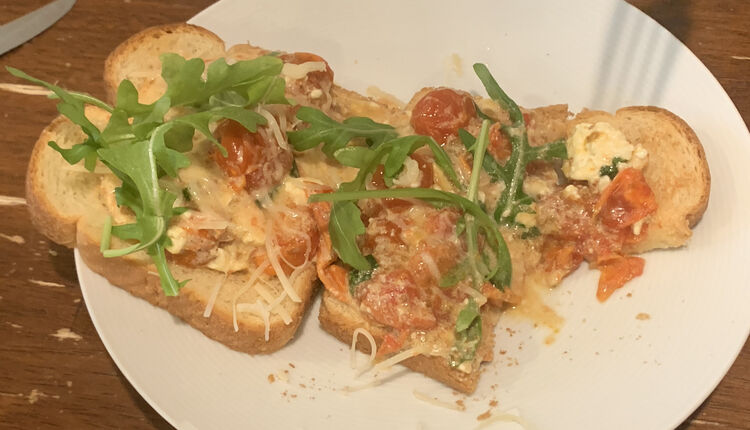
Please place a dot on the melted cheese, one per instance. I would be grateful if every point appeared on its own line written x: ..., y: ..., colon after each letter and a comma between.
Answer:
x: 299, y: 71
x: 213, y: 196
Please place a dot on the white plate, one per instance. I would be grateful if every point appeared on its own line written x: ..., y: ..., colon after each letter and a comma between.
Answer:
x: 606, y: 369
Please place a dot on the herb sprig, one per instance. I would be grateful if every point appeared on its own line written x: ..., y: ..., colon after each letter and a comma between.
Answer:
x: 139, y: 145
x: 513, y: 200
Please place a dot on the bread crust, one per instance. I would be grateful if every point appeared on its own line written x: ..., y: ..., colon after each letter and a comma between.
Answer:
x: 45, y: 217
x: 695, y: 212
x: 339, y: 320
x: 143, y: 49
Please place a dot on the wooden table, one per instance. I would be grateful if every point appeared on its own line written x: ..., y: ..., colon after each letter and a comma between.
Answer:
x: 48, y: 382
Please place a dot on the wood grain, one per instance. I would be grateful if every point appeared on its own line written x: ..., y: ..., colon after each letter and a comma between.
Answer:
x: 46, y: 382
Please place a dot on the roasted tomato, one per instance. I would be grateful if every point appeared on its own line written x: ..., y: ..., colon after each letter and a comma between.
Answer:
x: 260, y: 163
x: 615, y: 272
x: 440, y: 113
x: 627, y: 200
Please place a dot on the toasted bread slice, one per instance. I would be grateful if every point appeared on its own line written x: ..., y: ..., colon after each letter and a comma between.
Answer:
x: 66, y: 203
x: 677, y: 170
x: 341, y: 321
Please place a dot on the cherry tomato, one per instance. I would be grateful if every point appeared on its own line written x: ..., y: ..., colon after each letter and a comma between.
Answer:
x: 263, y: 163
x: 440, y: 113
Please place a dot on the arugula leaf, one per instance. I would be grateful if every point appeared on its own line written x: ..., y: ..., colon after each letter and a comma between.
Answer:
x: 468, y: 334
x: 472, y: 238
x: 186, y: 87
x: 345, y: 226
x: 492, y: 167
x: 335, y: 135
x: 356, y: 277
x: 513, y: 200
x: 611, y: 170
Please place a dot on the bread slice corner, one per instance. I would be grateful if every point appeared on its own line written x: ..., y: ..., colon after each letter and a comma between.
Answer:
x: 340, y: 320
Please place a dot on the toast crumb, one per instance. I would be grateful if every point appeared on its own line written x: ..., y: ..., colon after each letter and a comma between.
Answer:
x: 643, y: 316
x: 271, y: 378
x: 485, y: 415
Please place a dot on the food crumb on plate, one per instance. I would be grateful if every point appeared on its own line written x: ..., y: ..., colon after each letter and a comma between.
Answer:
x: 271, y: 378
x: 485, y: 415
x: 643, y: 316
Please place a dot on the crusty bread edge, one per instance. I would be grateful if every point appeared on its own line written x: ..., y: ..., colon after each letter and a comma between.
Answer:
x: 336, y: 319
x: 44, y: 216
x: 699, y: 209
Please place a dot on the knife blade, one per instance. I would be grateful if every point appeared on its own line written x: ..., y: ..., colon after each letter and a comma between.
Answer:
x: 26, y: 27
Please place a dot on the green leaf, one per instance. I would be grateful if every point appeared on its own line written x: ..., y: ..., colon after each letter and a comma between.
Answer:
x: 356, y: 276
x: 179, y: 137
x: 335, y: 135
x: 468, y: 334
x: 344, y: 226
x: 611, y: 170
x: 489, y: 164
x: 467, y: 316
x: 513, y: 200
x: 185, y: 84
x: 267, y: 90
x: 354, y: 156
x: 77, y: 153
x: 127, y: 100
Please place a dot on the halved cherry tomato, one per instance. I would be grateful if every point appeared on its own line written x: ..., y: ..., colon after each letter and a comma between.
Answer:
x: 440, y: 113
x: 262, y: 163
x: 627, y: 200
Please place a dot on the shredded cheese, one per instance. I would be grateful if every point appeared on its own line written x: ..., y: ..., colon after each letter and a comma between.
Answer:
x: 401, y: 356
x: 436, y: 402
x: 299, y: 71
x: 353, y: 350
x: 272, y: 250
x: 273, y: 125
x: 258, y: 309
x: 474, y: 294
x: 214, y: 294
x: 253, y: 277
